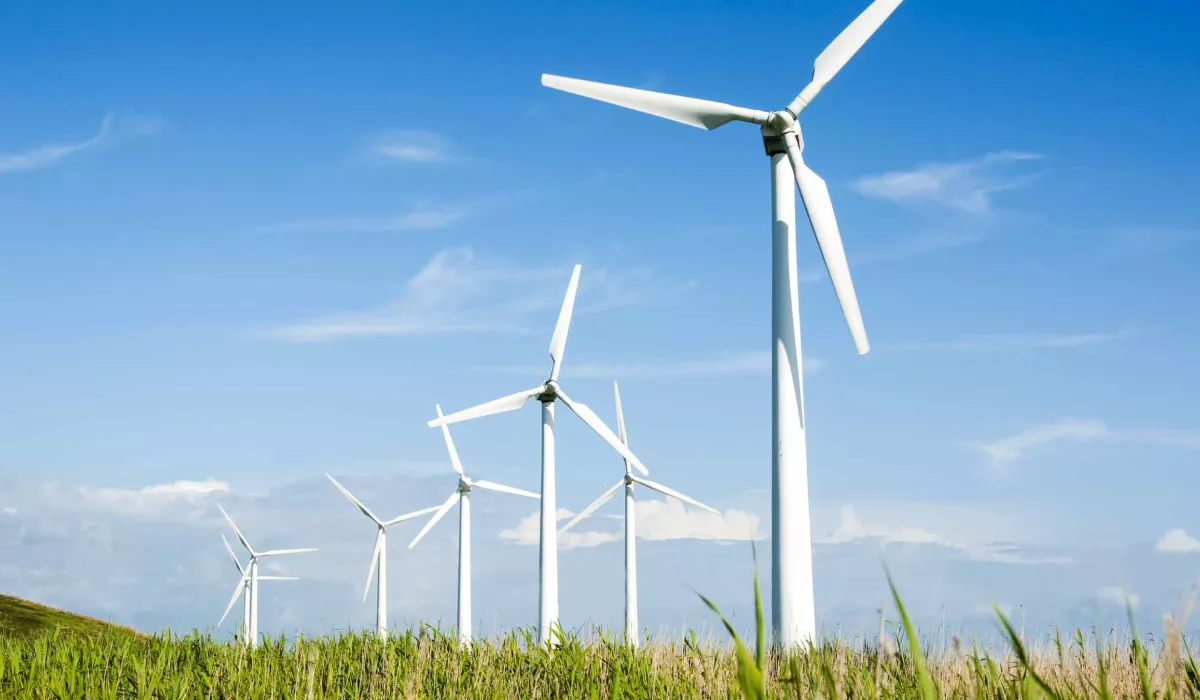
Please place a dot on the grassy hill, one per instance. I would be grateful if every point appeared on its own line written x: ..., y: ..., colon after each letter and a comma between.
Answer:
x: 24, y: 619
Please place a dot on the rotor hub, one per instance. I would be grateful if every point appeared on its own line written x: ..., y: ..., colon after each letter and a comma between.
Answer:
x: 779, y: 128
x: 549, y: 392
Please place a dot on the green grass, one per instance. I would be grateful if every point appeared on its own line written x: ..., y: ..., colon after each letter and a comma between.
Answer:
x: 110, y: 662
x: 23, y: 619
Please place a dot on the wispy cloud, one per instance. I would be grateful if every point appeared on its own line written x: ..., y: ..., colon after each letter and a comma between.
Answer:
x: 752, y: 362
x: 1117, y: 597
x: 657, y: 520
x: 1010, y: 449
x: 178, y: 499
x: 413, y: 146
x: 456, y: 292
x: 1025, y: 341
x: 1177, y: 541
x: 1137, y: 240
x: 903, y: 249
x: 852, y: 529
x: 421, y: 219
x: 966, y: 185
x: 1013, y: 447
x: 112, y: 128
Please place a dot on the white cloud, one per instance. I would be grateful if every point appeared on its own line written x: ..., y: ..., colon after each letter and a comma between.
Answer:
x: 669, y: 519
x: 413, y: 146
x: 657, y: 520
x: 851, y: 528
x: 527, y: 532
x: 966, y: 185
x: 456, y: 292
x: 750, y: 362
x: 1177, y: 541
x: 1117, y: 596
x: 111, y: 129
x: 1010, y: 449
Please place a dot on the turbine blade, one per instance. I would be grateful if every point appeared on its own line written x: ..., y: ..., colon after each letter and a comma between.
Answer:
x: 674, y: 494
x: 820, y: 214
x: 493, y: 486
x: 278, y: 578
x: 410, y: 516
x: 506, y: 403
x: 237, y: 593
x: 702, y: 114
x: 621, y: 422
x: 232, y: 556
x: 374, y: 563
x: 236, y: 531
x: 350, y: 497
x: 445, y: 508
x: 454, y: 461
x: 604, y: 498
x: 278, y: 552
x: 558, y: 343
x: 843, y: 49
x: 588, y: 416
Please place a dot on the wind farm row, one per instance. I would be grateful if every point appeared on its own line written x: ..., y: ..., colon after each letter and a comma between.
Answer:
x: 249, y: 576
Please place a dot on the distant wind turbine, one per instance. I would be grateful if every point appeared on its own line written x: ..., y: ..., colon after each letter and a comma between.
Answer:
x: 243, y: 589
x: 792, y: 604
x: 631, y: 606
x: 379, y: 555
x: 253, y: 575
x: 462, y: 497
x: 547, y: 393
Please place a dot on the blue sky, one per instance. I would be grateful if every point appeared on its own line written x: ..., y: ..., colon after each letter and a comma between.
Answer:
x: 243, y: 247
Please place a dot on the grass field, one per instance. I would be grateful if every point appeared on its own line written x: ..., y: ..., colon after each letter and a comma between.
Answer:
x: 67, y: 656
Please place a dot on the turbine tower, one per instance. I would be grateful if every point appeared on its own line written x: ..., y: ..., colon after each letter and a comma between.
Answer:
x: 792, y: 605
x: 242, y: 589
x: 253, y: 576
x: 461, y: 496
x: 631, y: 605
x: 548, y: 393
x: 379, y: 555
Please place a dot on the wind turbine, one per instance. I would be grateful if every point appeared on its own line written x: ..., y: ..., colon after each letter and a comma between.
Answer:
x: 792, y: 605
x: 547, y: 393
x: 243, y: 589
x: 254, y: 577
x: 461, y: 496
x: 631, y: 606
x: 379, y: 555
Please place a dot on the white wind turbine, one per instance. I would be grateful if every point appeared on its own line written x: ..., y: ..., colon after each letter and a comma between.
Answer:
x: 253, y: 576
x: 792, y: 606
x: 243, y: 589
x: 379, y: 555
x: 461, y: 496
x: 547, y: 393
x: 631, y: 605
